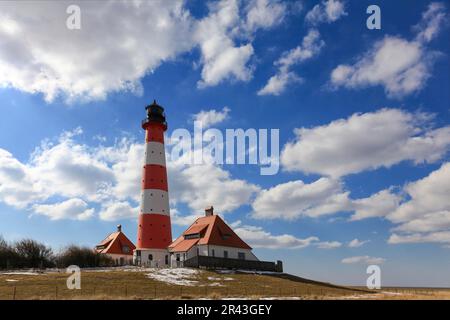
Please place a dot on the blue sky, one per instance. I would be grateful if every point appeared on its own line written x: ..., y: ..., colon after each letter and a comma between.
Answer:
x: 369, y: 160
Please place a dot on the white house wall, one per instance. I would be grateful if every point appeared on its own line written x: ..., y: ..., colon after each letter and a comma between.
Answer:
x: 206, y: 250
x: 159, y: 257
x: 127, y: 259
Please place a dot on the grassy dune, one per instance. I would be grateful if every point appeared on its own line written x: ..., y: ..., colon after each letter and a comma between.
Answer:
x: 132, y: 284
x: 136, y: 284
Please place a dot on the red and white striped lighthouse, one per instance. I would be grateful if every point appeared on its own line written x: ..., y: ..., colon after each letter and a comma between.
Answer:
x: 154, y: 228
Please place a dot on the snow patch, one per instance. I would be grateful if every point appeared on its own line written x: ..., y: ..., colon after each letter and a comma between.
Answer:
x: 178, y: 276
x: 22, y: 273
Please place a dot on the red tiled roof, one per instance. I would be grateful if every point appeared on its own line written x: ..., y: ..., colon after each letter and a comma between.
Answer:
x: 184, y: 245
x: 217, y: 233
x: 195, y: 228
x: 115, y: 243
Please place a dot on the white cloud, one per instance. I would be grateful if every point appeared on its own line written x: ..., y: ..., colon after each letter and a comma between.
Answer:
x: 41, y: 55
x: 69, y: 169
x: 427, y: 195
x: 256, y: 237
x: 366, y: 142
x: 17, y: 187
x: 434, y: 221
x: 310, y: 47
x: 425, y: 216
x: 118, y: 211
x: 278, y: 83
x: 329, y: 245
x: 400, y: 66
x: 75, y: 209
x: 216, y: 35
x: 183, y: 220
x: 328, y: 11
x: 442, y: 237
x: 293, y: 199
x: 379, y: 204
x: 211, y: 117
x: 110, y: 176
x: 201, y: 185
x: 264, y: 14
x: 431, y: 22
x: 356, y: 243
x: 363, y: 260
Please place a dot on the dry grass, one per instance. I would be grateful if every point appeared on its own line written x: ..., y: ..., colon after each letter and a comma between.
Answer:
x: 119, y: 284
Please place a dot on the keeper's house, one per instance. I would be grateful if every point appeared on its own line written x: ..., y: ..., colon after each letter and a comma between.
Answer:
x: 209, y: 242
x: 118, y: 247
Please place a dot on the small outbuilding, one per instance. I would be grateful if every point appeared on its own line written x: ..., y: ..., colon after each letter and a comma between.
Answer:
x: 118, y: 247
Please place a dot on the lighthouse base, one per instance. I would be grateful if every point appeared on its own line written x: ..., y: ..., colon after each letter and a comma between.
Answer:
x: 153, y: 258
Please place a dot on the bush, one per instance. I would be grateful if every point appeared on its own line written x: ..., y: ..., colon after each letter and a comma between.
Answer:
x: 82, y: 257
x: 29, y: 253
x: 8, y: 257
x: 33, y: 254
x: 25, y: 254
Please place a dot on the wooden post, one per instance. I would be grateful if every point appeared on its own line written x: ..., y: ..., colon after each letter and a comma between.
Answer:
x: 126, y: 291
x: 56, y: 292
x: 154, y: 288
x: 14, y: 293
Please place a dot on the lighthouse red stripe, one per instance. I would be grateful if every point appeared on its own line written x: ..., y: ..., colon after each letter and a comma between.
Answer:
x: 154, y: 231
x: 154, y: 177
x: 154, y: 132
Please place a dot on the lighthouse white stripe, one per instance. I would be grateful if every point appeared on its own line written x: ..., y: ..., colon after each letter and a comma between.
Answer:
x: 154, y: 153
x: 155, y: 201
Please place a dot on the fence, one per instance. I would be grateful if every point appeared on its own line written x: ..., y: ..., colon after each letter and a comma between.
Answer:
x: 227, y: 263
x: 60, y: 292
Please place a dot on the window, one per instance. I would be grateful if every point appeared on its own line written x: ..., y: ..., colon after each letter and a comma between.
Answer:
x: 192, y: 236
x: 213, y: 253
x: 138, y: 253
x: 225, y: 254
x: 125, y: 249
x: 178, y: 257
x: 241, y: 255
x: 150, y: 257
x: 167, y: 259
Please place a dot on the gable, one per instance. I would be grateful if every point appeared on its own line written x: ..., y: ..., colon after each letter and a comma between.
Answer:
x: 116, y: 243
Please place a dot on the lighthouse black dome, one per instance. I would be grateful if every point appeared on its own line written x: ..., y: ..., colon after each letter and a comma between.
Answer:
x: 155, y: 113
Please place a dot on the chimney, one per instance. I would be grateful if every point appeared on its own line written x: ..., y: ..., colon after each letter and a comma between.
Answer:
x: 209, y: 211
x: 119, y: 228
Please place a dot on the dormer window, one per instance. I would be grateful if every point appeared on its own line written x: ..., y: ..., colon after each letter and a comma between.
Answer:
x: 192, y: 236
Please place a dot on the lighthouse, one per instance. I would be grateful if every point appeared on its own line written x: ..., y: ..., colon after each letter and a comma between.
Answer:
x: 154, y: 228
